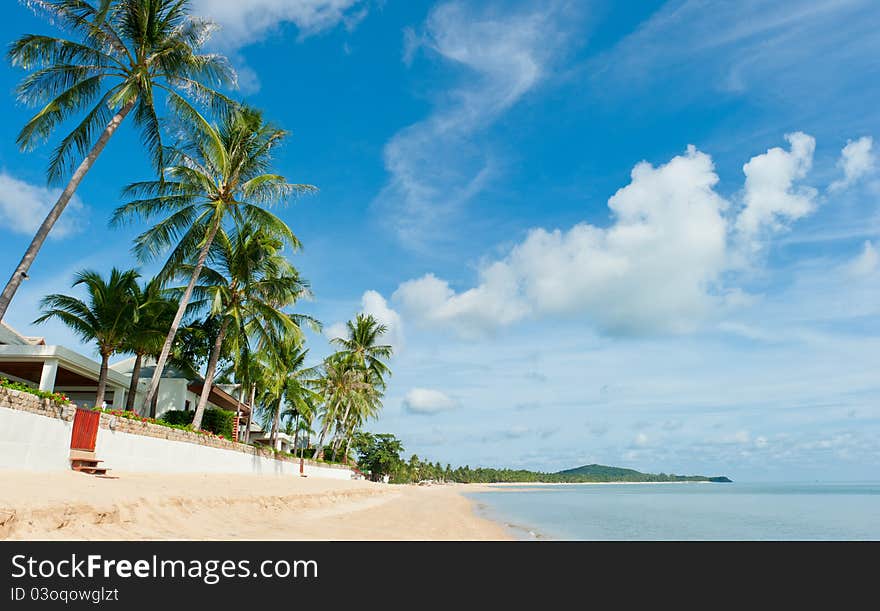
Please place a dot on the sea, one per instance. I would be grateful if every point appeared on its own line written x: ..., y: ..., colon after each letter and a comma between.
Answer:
x: 687, y: 511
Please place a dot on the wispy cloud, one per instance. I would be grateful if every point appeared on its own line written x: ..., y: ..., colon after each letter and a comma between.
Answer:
x: 439, y: 164
x: 250, y: 21
x: 778, y: 49
x: 23, y: 206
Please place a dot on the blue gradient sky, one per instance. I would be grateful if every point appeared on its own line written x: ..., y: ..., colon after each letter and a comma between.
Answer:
x: 640, y: 234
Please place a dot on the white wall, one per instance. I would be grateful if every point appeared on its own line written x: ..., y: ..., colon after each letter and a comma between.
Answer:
x: 32, y: 442
x: 39, y: 443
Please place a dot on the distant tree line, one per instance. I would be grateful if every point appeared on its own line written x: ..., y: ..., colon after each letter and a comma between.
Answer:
x: 381, y: 454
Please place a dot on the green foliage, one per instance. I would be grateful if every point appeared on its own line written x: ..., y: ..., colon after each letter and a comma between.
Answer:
x: 57, y: 397
x: 379, y: 455
x: 217, y: 421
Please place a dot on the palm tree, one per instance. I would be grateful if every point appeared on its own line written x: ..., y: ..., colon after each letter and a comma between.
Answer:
x: 217, y: 171
x: 361, y: 347
x: 120, y: 56
x: 341, y: 387
x: 105, y: 319
x: 361, y: 351
x: 154, y: 314
x: 245, y: 285
x: 302, y: 402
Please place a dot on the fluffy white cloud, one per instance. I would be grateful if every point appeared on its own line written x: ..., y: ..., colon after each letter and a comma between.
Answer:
x: 435, y: 166
x: 866, y: 262
x: 426, y: 401
x: 653, y: 270
x: 247, y: 22
x: 23, y: 207
x: 771, y: 196
x: 856, y: 160
x: 373, y: 303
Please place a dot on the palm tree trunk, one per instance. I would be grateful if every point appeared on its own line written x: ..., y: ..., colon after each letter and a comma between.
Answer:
x: 238, y: 415
x: 132, y: 388
x: 341, y: 427
x: 347, y: 445
x: 102, y: 379
x: 247, y: 431
x: 30, y: 254
x: 209, y: 375
x: 296, y: 433
x: 275, y: 422
x: 319, y: 449
x: 181, y: 310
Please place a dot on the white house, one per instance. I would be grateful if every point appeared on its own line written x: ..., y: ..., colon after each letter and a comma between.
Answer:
x: 59, y: 369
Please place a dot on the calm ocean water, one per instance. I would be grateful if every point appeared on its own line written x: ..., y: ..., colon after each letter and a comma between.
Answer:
x: 738, y: 511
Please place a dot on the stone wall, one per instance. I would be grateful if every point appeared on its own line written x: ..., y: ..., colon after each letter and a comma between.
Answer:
x: 131, y: 444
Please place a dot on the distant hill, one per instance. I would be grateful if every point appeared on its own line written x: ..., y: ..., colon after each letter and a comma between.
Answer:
x: 603, y: 473
x: 601, y: 470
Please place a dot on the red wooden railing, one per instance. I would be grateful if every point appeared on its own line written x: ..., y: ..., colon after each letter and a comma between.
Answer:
x: 85, y: 430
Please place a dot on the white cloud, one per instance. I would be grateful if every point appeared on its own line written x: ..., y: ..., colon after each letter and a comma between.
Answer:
x: 336, y: 330
x: 373, y: 303
x: 249, y: 21
x: 426, y: 401
x: 856, y: 160
x: 771, y: 196
x: 866, y: 262
x: 23, y: 207
x: 435, y: 166
x: 653, y: 270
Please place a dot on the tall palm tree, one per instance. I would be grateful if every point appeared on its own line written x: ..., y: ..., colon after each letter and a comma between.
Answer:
x: 341, y: 387
x: 154, y: 314
x: 105, y: 318
x: 218, y: 171
x: 245, y: 285
x: 363, y: 349
x: 120, y: 56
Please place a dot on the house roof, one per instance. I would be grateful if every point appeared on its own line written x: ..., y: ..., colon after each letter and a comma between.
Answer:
x: 8, y: 335
x: 219, y: 397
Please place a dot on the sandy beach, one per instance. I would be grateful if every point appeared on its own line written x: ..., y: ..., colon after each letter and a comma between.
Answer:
x: 73, y: 506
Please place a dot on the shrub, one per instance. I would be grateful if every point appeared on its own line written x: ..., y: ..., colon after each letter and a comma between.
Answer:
x: 218, y: 421
x: 57, y: 397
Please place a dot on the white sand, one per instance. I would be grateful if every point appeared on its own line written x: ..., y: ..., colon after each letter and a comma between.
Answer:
x: 74, y: 506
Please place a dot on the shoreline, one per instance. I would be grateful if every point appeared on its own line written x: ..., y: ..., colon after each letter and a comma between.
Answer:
x: 153, y: 506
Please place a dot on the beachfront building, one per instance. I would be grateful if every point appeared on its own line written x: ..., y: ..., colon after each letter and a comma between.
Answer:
x: 55, y: 368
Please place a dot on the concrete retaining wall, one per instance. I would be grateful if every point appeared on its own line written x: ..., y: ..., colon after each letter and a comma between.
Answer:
x: 35, y: 436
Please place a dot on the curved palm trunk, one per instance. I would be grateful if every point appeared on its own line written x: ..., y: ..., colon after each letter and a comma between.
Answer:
x: 102, y: 379
x: 209, y: 375
x: 181, y: 310
x: 132, y: 387
x: 30, y: 254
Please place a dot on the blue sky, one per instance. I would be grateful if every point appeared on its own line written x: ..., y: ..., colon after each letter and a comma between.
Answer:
x: 639, y: 234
